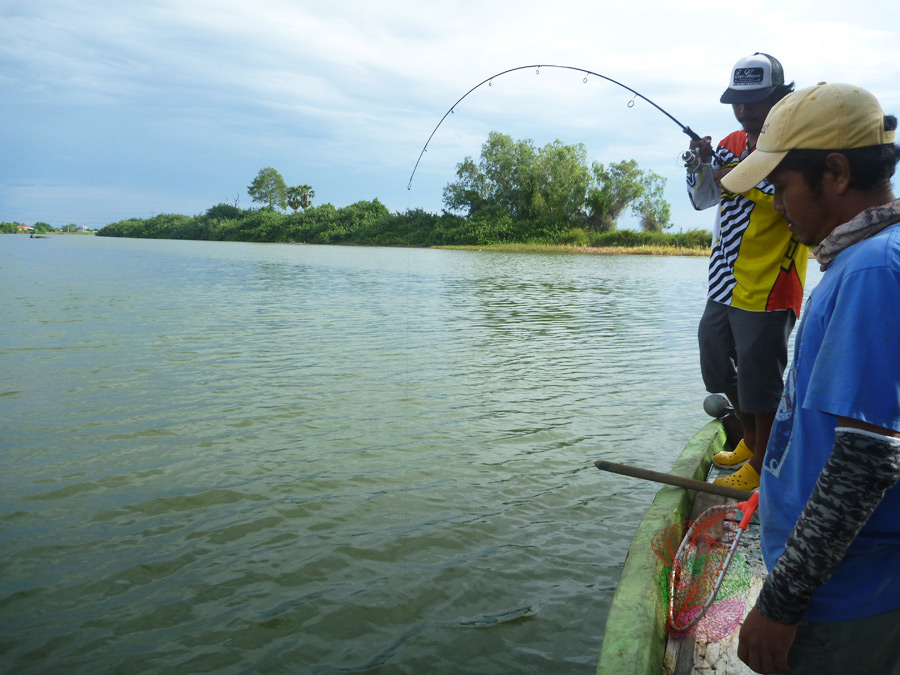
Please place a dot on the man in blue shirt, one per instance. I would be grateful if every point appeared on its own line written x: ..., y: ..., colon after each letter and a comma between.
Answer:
x: 829, y: 499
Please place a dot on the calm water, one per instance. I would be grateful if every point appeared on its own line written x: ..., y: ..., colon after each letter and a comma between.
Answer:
x: 237, y: 458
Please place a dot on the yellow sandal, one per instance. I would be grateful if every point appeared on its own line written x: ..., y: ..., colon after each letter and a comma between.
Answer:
x: 744, y: 478
x: 733, y: 460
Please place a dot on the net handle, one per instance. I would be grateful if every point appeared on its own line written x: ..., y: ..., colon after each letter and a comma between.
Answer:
x: 749, y: 508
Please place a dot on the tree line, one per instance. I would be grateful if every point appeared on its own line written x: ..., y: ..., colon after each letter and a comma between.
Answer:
x: 554, y: 186
x: 371, y: 223
x: 514, y: 193
x: 39, y: 228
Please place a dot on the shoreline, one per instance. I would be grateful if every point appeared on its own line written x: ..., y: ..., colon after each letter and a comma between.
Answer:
x: 693, y: 252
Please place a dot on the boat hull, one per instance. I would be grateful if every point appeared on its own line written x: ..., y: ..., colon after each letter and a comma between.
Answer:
x: 634, y: 640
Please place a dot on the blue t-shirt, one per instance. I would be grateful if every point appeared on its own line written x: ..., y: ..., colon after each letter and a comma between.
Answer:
x: 846, y: 364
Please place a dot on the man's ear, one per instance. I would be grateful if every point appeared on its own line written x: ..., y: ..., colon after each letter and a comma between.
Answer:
x: 837, y: 168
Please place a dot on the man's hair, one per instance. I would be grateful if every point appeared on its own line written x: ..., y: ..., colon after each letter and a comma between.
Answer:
x: 780, y: 92
x: 871, y: 167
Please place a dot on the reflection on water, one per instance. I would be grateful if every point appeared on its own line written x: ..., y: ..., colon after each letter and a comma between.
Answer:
x: 271, y: 458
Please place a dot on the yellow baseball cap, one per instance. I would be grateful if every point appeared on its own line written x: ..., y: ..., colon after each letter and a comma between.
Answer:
x: 823, y: 117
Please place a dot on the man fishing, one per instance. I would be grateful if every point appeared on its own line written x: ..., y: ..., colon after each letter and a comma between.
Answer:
x: 757, y: 269
x: 829, y: 500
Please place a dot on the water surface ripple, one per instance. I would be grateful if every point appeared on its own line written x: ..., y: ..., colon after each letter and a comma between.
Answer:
x: 242, y: 458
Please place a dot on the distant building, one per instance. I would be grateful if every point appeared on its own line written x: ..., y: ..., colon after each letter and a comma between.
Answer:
x: 25, y: 228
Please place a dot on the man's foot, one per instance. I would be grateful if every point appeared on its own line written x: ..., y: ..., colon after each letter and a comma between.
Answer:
x: 744, y: 478
x: 733, y: 460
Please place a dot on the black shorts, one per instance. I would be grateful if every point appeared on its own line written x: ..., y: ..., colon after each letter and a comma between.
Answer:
x: 745, y: 352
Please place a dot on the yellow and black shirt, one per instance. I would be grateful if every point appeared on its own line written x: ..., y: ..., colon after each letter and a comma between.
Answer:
x: 756, y: 263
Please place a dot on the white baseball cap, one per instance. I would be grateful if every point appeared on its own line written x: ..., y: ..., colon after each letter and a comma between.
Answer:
x: 753, y: 79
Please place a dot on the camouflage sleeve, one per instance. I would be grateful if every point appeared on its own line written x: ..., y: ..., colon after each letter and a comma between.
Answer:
x: 861, y: 468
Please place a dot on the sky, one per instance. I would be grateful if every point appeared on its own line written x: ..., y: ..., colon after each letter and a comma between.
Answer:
x: 112, y: 110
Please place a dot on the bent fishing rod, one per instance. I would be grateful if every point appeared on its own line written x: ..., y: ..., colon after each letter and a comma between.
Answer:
x: 690, y: 132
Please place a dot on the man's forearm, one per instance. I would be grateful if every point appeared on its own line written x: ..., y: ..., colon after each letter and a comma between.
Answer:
x: 702, y: 188
x: 861, y: 468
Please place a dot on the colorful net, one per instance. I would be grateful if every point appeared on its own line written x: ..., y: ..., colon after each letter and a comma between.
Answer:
x: 704, y: 580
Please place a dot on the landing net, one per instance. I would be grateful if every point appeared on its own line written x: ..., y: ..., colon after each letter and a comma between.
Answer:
x: 704, y: 579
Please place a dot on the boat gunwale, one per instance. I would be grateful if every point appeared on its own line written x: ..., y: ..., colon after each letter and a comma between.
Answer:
x: 634, y: 639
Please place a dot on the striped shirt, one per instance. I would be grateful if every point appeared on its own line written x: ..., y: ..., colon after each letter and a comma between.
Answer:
x: 756, y: 263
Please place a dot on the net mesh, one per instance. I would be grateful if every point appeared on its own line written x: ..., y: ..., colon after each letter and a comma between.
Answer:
x: 693, y: 555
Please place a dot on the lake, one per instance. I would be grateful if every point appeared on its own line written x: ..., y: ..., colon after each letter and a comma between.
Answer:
x: 236, y: 458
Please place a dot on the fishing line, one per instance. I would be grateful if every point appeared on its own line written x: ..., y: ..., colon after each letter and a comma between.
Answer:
x: 489, y: 81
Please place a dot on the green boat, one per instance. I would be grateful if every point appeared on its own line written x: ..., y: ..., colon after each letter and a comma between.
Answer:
x: 635, y: 639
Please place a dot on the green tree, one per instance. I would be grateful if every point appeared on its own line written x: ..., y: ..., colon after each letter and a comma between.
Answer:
x: 223, y: 211
x: 470, y: 193
x: 545, y: 186
x: 268, y: 188
x: 300, y: 196
x: 561, y: 181
x: 613, y: 191
x: 655, y: 212
x: 507, y: 166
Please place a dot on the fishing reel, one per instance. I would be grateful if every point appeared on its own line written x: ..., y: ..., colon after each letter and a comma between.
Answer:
x: 691, y: 160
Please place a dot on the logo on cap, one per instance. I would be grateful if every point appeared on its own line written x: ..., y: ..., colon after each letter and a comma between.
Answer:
x: 748, y: 76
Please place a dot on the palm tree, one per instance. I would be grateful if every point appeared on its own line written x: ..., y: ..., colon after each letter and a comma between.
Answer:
x: 300, y: 196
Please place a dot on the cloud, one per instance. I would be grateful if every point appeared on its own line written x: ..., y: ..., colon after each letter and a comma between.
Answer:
x: 173, y: 102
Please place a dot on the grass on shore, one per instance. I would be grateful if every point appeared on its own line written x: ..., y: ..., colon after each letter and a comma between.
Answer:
x: 697, y: 251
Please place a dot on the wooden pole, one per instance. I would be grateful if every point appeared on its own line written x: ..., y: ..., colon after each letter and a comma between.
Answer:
x: 669, y: 479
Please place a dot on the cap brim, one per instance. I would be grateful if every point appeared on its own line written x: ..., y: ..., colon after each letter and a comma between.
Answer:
x: 752, y: 171
x: 746, y: 95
